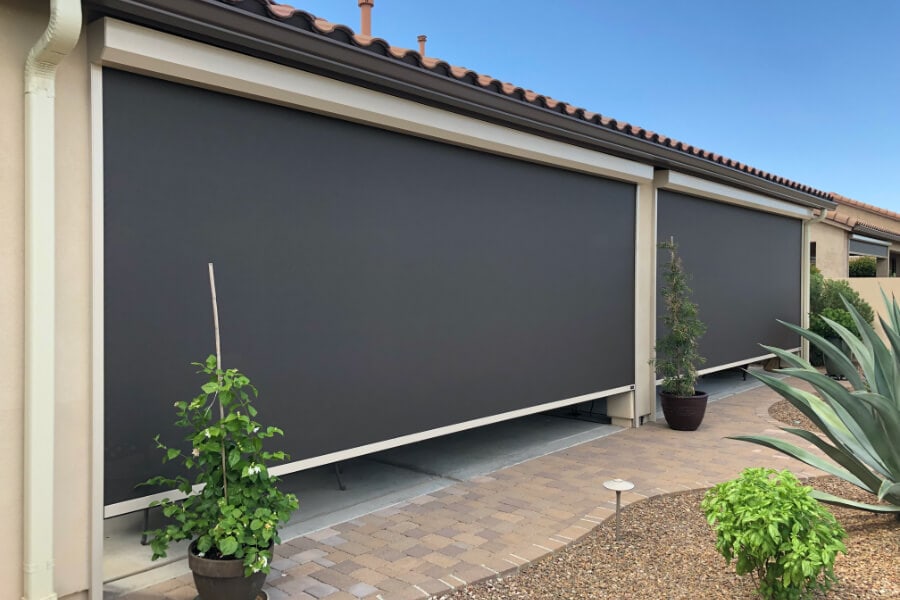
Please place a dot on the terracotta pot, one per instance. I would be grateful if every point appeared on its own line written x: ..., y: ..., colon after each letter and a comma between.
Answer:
x: 217, y: 579
x: 684, y: 413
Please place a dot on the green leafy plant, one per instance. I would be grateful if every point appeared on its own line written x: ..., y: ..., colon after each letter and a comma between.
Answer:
x: 830, y: 293
x: 861, y: 425
x: 238, y: 507
x: 772, y: 527
x: 827, y: 295
x: 677, y: 352
x: 842, y: 316
x: 864, y: 266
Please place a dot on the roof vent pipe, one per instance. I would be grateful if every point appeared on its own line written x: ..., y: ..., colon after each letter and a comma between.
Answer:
x: 422, y: 39
x: 365, y: 17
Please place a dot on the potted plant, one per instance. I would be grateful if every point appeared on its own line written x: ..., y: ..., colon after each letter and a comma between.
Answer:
x: 233, y: 518
x: 677, y: 353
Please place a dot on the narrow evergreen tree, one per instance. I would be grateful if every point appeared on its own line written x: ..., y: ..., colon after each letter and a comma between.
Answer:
x: 677, y: 352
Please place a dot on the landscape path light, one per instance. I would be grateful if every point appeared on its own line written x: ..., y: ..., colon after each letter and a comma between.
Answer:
x: 619, y: 486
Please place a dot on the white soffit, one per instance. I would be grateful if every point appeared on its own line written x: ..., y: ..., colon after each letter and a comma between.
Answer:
x: 695, y: 186
x: 133, y: 48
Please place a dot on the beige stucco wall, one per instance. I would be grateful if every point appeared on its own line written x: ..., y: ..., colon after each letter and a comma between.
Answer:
x: 831, y: 249
x: 869, y: 289
x: 21, y: 24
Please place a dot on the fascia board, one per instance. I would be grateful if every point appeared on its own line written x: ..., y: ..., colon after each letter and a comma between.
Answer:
x: 237, y: 29
x: 696, y: 186
x: 139, y: 49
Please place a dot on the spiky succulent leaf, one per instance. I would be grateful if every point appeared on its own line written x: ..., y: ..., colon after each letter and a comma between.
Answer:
x: 888, y: 489
x: 844, y: 364
x: 838, y: 501
x: 867, y: 479
x: 813, y: 407
x: 794, y: 360
x: 857, y: 350
x: 892, y: 309
x: 860, y: 425
x: 805, y: 456
x: 842, y: 416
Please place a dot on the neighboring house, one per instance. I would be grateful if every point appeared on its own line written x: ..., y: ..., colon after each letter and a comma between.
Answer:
x: 403, y: 249
x: 855, y: 229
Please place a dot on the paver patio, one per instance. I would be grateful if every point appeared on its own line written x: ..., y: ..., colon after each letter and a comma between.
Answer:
x: 494, y: 525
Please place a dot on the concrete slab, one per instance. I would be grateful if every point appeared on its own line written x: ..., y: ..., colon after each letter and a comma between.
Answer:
x: 486, y: 449
x: 390, y: 484
x: 373, y: 482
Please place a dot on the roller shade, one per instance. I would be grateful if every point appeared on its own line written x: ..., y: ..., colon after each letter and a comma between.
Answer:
x: 371, y: 284
x: 745, y: 268
x: 862, y: 246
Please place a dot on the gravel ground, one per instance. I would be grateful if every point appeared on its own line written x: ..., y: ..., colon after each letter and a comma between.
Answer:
x: 668, y: 551
x: 785, y: 412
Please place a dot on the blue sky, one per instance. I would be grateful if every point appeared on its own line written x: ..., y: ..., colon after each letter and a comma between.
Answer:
x: 806, y: 89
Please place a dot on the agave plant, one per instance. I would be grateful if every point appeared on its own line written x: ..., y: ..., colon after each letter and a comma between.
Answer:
x: 861, y: 426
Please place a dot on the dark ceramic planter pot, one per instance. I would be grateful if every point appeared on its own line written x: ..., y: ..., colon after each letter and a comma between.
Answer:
x: 684, y: 413
x: 224, y: 579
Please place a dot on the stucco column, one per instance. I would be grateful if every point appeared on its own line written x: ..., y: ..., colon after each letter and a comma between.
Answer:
x: 627, y: 410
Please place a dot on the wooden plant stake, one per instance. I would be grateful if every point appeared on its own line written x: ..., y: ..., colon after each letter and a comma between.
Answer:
x: 215, y: 305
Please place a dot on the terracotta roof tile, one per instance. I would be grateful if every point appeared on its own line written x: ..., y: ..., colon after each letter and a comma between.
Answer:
x: 862, y: 205
x: 344, y: 34
x: 841, y: 219
x: 875, y: 229
x: 282, y: 11
x: 861, y: 227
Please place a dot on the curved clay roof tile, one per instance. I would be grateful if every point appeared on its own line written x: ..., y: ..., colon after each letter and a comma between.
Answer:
x: 398, y: 52
x: 281, y: 11
x: 465, y: 76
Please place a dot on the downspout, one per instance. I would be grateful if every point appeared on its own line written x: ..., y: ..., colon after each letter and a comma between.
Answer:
x: 804, y: 278
x: 60, y: 37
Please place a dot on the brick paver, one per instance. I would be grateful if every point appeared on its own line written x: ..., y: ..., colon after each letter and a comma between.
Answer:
x: 493, y: 525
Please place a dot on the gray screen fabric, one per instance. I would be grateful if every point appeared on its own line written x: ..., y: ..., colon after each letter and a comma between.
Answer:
x: 864, y: 248
x: 371, y: 284
x: 745, y: 269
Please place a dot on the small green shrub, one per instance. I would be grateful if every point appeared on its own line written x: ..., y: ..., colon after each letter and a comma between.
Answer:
x: 840, y: 316
x: 826, y: 293
x: 816, y: 281
x: 774, y: 529
x: 864, y: 266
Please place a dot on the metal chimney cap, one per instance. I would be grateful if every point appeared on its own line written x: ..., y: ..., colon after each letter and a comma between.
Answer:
x: 618, y: 485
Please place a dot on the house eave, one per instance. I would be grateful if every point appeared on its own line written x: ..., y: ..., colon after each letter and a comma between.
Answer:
x: 228, y: 27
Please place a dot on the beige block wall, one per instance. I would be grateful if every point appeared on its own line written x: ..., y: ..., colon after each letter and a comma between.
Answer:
x: 21, y: 24
x: 831, y: 249
x: 869, y: 289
